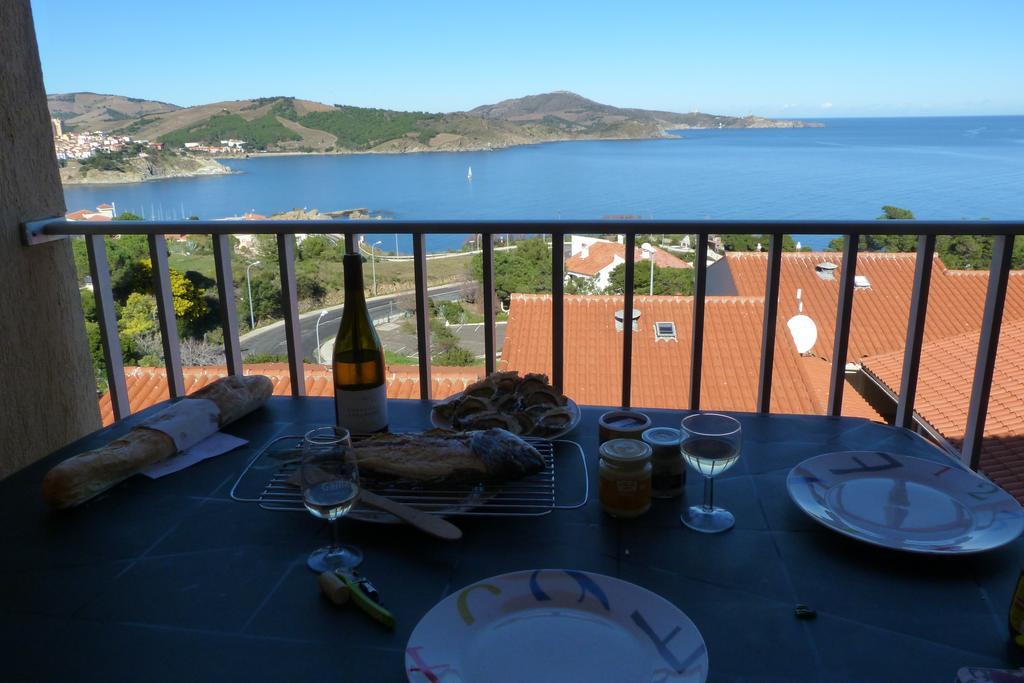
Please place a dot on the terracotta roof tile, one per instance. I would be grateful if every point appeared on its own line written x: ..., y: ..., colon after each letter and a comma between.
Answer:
x: 944, y: 391
x: 148, y: 386
x: 661, y: 368
x: 880, y: 312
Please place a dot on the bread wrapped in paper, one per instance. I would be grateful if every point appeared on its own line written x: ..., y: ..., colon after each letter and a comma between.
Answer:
x: 83, y: 476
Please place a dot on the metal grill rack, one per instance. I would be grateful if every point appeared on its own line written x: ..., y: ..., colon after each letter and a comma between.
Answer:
x: 266, y: 480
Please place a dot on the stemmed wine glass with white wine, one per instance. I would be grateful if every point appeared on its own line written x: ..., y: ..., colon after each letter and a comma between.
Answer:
x: 329, y: 478
x: 710, y: 444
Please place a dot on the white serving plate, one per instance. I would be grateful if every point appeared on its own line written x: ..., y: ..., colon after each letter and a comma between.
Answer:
x: 555, y: 626
x: 905, y: 503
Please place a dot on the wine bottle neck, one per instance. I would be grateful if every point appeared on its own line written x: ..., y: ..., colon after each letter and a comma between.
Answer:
x: 353, y: 277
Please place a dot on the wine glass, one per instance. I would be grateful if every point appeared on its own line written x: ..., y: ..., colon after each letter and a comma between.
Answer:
x: 329, y: 478
x: 711, y: 445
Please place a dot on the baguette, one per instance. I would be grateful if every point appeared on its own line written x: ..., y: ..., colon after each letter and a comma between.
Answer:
x: 83, y: 476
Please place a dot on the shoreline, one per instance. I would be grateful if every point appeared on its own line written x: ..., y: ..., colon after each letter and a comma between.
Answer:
x: 663, y: 134
x: 153, y: 179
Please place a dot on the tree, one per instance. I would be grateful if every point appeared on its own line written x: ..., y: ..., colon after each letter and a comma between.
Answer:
x: 126, y: 249
x: 190, y: 303
x: 266, y: 296
x: 81, y: 255
x: 750, y: 242
x: 266, y: 248
x: 201, y: 352
x: 444, y: 346
x: 581, y: 285
x: 959, y: 252
x: 127, y: 216
x: 667, y: 281
x: 319, y: 247
x: 309, y: 288
x: 138, y: 315
x: 891, y: 213
x: 889, y: 243
x: 525, y: 269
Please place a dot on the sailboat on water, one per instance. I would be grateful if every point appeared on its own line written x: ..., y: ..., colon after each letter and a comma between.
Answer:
x: 469, y: 174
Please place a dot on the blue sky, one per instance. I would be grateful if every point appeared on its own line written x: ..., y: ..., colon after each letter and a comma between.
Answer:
x: 811, y: 59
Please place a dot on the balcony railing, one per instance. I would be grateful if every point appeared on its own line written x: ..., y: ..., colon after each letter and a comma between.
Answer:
x: 1003, y: 233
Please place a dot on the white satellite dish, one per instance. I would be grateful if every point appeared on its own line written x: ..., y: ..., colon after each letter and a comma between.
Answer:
x: 804, y: 332
x: 803, y: 329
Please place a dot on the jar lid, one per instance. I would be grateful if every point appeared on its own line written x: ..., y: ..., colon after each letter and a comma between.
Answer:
x: 662, y: 436
x: 625, y: 451
x: 624, y: 421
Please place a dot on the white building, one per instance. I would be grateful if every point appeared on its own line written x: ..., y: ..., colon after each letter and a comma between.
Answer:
x: 595, y: 259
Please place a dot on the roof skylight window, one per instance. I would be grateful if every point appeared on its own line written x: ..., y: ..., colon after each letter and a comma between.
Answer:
x: 666, y: 331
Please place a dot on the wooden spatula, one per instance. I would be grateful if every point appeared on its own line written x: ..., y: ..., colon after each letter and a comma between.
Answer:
x: 431, y: 524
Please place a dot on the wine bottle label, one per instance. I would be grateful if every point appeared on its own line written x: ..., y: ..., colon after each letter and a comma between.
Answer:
x: 364, y: 411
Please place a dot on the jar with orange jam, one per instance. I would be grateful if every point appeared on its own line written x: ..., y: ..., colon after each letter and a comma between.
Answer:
x: 624, y: 477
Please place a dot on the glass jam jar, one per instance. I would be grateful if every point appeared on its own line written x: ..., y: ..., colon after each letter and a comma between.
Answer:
x: 668, y: 469
x: 621, y: 424
x: 624, y: 476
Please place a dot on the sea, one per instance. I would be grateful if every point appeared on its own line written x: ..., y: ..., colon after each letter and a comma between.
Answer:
x: 938, y: 167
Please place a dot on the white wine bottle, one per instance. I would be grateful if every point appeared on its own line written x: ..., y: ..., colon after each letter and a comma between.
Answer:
x: 360, y: 389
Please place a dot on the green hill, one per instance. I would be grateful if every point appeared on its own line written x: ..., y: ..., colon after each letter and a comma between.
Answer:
x: 288, y: 124
x: 260, y: 133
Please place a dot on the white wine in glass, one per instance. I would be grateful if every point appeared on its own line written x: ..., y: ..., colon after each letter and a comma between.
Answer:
x: 329, y: 476
x: 330, y: 500
x: 710, y: 444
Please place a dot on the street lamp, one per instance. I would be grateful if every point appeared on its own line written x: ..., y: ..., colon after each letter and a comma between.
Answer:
x: 649, y: 250
x: 373, y: 266
x: 319, y: 356
x: 248, y: 284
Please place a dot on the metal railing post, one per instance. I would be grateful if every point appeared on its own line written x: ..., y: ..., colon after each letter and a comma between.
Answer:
x: 419, y: 252
x: 915, y: 331
x: 488, y: 295
x: 107, y: 319
x: 844, y: 313
x: 771, y: 310
x: 988, y: 346
x: 290, y: 304
x: 165, y: 315
x: 558, y: 311
x: 226, y: 293
x: 700, y: 280
x: 627, y: 316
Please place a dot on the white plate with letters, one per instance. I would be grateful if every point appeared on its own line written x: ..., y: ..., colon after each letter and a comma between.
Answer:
x: 555, y: 626
x: 906, y: 503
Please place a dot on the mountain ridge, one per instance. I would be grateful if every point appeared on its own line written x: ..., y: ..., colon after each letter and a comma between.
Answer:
x: 288, y: 124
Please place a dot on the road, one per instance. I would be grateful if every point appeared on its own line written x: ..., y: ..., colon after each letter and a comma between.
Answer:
x: 383, y: 309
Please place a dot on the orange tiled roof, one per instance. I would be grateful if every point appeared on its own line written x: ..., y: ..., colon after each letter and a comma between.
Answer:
x: 660, y: 368
x: 944, y: 393
x: 148, y: 386
x: 880, y: 312
x: 601, y: 254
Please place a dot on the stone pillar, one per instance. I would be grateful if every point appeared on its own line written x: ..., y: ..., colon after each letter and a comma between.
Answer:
x: 48, y: 392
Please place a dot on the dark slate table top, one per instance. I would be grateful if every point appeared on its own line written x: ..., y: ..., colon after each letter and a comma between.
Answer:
x: 173, y: 580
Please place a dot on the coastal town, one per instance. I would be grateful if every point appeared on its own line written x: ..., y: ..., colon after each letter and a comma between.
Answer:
x: 84, y: 145
x: 78, y: 146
